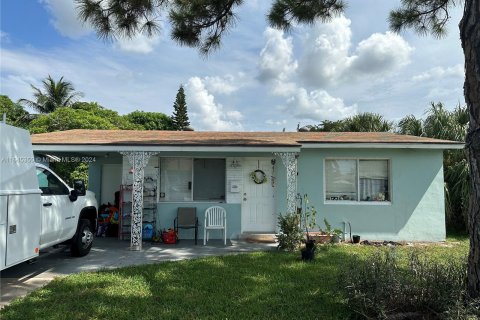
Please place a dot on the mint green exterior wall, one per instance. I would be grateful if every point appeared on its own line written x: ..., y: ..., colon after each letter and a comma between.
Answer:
x: 166, y: 213
x: 416, y: 211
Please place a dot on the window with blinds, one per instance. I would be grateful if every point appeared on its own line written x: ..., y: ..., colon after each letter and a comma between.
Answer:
x: 341, y: 180
x: 357, y: 180
x: 188, y: 179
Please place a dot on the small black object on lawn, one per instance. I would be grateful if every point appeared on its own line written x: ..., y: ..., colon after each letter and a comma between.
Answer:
x: 308, y: 254
x: 356, y: 239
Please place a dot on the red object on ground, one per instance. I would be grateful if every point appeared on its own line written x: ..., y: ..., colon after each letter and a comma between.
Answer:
x: 169, y: 237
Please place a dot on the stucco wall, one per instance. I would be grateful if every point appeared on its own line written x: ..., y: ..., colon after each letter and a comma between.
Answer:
x: 416, y: 211
x: 166, y: 213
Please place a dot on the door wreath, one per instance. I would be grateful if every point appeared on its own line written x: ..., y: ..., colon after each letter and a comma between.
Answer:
x: 258, y: 176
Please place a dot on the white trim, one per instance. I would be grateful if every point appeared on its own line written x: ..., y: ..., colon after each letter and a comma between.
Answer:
x: 194, y: 201
x: 382, y: 146
x: 355, y: 203
x: 192, y: 148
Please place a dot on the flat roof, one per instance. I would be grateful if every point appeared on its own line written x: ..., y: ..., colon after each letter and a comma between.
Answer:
x: 84, y: 137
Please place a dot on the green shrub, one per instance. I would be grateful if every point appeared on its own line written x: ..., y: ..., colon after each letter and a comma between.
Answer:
x: 384, y: 286
x: 290, y: 236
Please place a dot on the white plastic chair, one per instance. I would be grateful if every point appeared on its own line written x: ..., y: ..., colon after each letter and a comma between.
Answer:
x: 215, y: 219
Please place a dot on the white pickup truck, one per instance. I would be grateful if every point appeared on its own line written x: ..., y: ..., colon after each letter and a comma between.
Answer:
x: 37, y: 208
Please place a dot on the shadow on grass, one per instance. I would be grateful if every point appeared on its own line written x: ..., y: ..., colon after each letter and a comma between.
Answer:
x: 263, y: 285
x: 457, y: 235
x: 259, y: 285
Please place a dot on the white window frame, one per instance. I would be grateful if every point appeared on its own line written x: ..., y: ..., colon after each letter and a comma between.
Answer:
x: 358, y: 202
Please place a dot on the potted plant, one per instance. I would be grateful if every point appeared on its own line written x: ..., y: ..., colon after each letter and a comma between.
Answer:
x: 333, y: 233
x: 336, y: 236
x: 327, y: 234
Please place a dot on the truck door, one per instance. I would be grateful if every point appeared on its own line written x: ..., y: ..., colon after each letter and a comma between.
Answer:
x: 57, y: 208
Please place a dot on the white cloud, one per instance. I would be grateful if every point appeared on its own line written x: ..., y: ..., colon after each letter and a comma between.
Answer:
x: 65, y: 18
x: 438, y: 73
x: 17, y: 86
x: 380, y: 54
x: 4, y: 37
x: 276, y: 122
x: 325, y: 52
x: 223, y: 85
x: 283, y: 89
x: 234, y: 115
x: 206, y: 114
x: 442, y: 93
x: 139, y: 44
x: 114, y: 84
x: 276, y: 58
x: 327, y: 59
x: 318, y: 105
x: 24, y: 63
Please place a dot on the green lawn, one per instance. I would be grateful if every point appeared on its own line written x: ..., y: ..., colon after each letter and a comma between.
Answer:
x: 268, y: 285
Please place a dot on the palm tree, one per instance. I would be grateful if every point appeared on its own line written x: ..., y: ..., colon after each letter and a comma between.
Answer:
x: 362, y: 122
x: 367, y: 122
x: 324, y: 126
x: 55, y: 95
x: 411, y: 126
x: 441, y: 124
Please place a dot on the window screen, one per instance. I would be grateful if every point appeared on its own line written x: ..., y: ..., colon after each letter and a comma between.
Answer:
x: 373, y: 180
x: 186, y: 179
x: 341, y: 180
x: 209, y: 179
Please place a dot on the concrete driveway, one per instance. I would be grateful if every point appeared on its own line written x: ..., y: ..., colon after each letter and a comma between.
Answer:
x: 107, y: 253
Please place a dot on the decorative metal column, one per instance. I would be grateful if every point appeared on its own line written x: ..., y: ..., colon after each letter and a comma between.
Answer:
x: 138, y: 160
x: 289, y: 160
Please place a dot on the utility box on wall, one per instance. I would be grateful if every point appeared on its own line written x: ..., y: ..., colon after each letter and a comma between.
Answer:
x: 234, y: 186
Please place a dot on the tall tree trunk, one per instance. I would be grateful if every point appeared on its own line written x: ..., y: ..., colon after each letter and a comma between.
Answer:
x: 470, y: 36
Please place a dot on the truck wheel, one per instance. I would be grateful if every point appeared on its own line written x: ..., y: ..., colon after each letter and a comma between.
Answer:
x: 82, y: 240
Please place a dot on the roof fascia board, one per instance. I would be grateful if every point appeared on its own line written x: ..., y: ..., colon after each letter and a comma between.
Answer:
x: 382, y: 146
x: 100, y: 148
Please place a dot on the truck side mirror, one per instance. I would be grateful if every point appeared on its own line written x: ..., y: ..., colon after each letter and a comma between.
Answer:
x: 79, y: 186
x: 73, y: 196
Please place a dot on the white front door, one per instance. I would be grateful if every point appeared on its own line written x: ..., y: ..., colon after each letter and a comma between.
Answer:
x: 258, y: 204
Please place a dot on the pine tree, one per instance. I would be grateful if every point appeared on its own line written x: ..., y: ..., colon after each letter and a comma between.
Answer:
x: 180, y: 116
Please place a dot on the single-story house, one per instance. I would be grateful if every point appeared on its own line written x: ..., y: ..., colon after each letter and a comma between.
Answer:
x: 386, y: 186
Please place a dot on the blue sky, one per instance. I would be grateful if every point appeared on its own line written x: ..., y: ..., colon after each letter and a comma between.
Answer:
x: 260, y: 79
